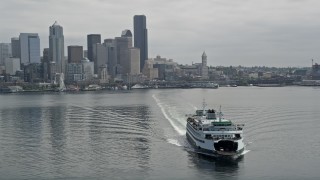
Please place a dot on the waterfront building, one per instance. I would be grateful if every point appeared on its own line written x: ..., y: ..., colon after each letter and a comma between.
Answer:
x: 56, y: 47
x: 148, y: 70
x: 75, y: 54
x: 29, y: 48
x: 88, y: 69
x: 103, y: 74
x: 315, y: 72
x: 167, y: 68
x: 192, y: 71
x: 74, y: 72
x: 92, y: 39
x: 5, y: 52
x: 15, y: 47
x: 141, y: 37
x: 32, y: 72
x: 12, y: 65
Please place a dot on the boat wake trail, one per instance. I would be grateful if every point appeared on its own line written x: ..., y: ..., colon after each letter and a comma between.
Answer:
x: 245, y: 152
x: 174, y: 142
x: 177, y: 124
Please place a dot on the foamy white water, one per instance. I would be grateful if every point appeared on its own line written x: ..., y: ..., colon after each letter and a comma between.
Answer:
x: 177, y: 127
x: 174, y: 142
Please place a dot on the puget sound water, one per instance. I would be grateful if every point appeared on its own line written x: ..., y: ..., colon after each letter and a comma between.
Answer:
x: 140, y: 134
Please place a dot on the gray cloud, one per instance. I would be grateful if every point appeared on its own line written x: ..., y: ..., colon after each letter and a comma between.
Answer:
x: 232, y: 32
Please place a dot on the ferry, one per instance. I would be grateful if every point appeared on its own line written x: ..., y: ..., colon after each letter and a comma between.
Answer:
x: 211, y: 134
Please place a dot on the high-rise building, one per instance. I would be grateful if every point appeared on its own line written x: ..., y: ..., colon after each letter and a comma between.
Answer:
x: 132, y: 67
x: 123, y: 43
x: 45, y: 64
x: 29, y: 48
x: 112, y: 55
x: 75, y: 54
x: 15, y: 47
x: 12, y: 65
x: 91, y: 40
x: 100, y: 55
x: 5, y: 52
x: 141, y: 37
x: 56, y: 47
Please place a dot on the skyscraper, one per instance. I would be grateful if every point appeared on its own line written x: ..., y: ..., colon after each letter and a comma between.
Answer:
x: 12, y: 65
x: 5, y: 52
x: 45, y: 64
x: 56, y: 47
x: 29, y: 48
x: 132, y: 67
x: 100, y: 54
x: 75, y: 54
x: 112, y: 55
x: 141, y: 37
x: 91, y: 40
x: 123, y: 43
x: 15, y: 47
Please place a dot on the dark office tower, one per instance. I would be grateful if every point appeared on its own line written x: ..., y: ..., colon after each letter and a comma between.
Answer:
x: 15, y: 47
x: 75, y: 54
x: 141, y: 37
x: 45, y: 64
x: 92, y: 39
x: 112, y: 55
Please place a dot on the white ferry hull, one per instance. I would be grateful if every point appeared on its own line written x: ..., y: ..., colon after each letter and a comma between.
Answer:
x: 210, y: 146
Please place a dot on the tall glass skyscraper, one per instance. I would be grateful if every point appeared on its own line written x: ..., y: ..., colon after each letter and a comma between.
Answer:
x: 92, y: 39
x: 29, y: 48
x: 141, y: 37
x: 56, y: 47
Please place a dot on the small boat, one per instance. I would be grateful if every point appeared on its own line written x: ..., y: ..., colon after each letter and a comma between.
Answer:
x: 139, y: 86
x: 210, y: 133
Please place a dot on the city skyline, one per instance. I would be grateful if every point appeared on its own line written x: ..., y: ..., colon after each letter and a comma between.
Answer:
x: 249, y: 33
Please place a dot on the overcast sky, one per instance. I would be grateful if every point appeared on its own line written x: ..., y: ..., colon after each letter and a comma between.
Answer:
x: 232, y: 32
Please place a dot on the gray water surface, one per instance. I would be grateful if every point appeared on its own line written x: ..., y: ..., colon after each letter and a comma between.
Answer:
x: 140, y: 134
